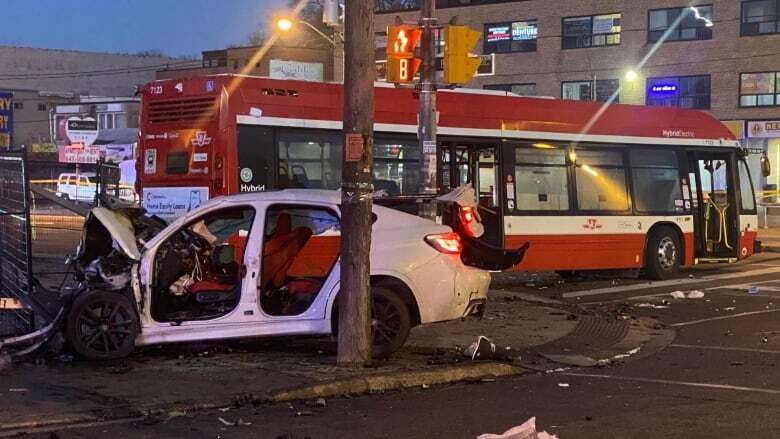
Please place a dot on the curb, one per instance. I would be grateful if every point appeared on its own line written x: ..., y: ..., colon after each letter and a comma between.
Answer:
x: 349, y: 386
x: 398, y: 381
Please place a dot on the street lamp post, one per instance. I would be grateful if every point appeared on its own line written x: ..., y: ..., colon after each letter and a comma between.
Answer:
x: 286, y: 24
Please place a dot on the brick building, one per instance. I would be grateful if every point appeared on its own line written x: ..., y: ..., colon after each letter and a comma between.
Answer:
x: 312, y: 62
x: 722, y: 58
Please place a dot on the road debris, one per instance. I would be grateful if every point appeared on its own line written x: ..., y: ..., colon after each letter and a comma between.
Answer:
x: 525, y: 431
x: 753, y: 290
x: 695, y: 294
x: 729, y: 308
x: 481, y: 349
x: 563, y: 385
x: 651, y: 305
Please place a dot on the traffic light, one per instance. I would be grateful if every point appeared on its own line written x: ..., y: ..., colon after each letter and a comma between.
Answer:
x: 459, y: 65
x: 401, y: 63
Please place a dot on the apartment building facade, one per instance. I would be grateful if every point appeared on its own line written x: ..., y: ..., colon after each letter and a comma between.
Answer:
x: 721, y: 56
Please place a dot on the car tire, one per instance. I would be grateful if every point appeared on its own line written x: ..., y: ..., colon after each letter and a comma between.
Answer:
x: 391, y: 322
x: 102, y: 325
x: 662, y: 254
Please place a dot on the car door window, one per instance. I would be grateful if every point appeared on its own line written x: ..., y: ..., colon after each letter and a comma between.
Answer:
x: 198, y: 270
x: 300, y: 248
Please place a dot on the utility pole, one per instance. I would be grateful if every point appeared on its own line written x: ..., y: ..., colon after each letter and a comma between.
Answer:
x: 354, y: 301
x: 426, y: 130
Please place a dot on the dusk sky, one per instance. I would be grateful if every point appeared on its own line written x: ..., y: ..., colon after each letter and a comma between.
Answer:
x: 176, y: 27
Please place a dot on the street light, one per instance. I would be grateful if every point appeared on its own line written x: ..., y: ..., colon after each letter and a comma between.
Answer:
x: 631, y: 76
x: 286, y: 24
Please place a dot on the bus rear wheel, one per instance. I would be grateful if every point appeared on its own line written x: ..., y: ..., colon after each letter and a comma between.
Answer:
x: 663, y: 254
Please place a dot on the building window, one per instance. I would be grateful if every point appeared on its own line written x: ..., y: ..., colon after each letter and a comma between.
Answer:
x: 517, y: 36
x: 18, y: 105
x: 518, y: 89
x: 107, y: 121
x: 41, y: 107
x: 583, y: 90
x: 694, y: 24
x: 759, y: 89
x: 591, y: 31
x: 760, y: 17
x: 680, y: 91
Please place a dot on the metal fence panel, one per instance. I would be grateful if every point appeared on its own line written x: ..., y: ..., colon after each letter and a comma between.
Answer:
x: 16, y: 279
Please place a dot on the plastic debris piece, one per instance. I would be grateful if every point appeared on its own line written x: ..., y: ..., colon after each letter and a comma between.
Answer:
x: 754, y: 290
x: 304, y: 413
x: 563, y: 385
x: 525, y: 431
x: 765, y: 340
x: 695, y: 294
x: 22, y: 390
x: 481, y: 349
x: 226, y: 422
x: 729, y: 308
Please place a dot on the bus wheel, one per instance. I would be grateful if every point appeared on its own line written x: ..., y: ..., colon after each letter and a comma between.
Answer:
x: 662, y: 258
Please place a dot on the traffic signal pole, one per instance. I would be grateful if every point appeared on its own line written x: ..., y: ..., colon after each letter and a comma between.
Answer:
x: 354, y: 299
x: 426, y: 129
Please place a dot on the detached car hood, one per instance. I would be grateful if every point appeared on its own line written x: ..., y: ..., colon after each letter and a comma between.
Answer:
x: 121, y: 230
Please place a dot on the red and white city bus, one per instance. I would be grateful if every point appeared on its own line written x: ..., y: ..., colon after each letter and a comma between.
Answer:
x: 590, y: 188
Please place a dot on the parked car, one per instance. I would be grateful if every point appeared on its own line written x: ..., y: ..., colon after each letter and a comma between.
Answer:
x: 259, y: 264
x: 82, y: 187
x: 77, y: 187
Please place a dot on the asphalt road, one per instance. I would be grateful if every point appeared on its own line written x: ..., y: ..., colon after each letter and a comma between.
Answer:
x: 719, y: 378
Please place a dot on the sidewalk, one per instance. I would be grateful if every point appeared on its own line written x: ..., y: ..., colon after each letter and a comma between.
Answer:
x: 169, y: 380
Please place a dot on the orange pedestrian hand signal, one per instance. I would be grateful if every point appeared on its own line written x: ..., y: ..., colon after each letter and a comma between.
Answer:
x: 402, y: 65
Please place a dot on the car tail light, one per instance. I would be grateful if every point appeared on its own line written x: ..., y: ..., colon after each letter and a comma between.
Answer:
x: 467, y: 218
x: 447, y: 243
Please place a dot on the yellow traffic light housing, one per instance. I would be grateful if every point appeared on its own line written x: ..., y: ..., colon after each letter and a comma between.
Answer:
x: 459, y: 64
x: 402, y: 65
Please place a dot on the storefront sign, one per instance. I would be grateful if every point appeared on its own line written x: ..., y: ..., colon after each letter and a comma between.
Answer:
x: 524, y: 30
x: 304, y: 71
x: 84, y: 131
x: 71, y: 154
x: 764, y: 129
x: 737, y: 127
x: 171, y: 202
x: 6, y: 119
x: 498, y: 33
x: 664, y: 88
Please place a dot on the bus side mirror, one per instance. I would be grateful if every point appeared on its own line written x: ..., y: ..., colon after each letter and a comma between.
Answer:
x: 766, y: 167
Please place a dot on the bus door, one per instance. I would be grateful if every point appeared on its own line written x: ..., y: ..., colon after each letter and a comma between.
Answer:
x: 476, y: 164
x: 714, y: 206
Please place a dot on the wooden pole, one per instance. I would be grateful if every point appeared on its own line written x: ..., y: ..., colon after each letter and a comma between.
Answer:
x: 354, y: 302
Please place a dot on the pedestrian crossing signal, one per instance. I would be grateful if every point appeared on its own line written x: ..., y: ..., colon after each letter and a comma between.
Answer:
x: 402, y: 65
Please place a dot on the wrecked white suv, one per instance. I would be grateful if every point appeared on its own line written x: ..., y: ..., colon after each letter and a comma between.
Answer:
x: 259, y: 264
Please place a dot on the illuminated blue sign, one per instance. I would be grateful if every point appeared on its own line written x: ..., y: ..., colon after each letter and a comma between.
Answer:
x: 664, y: 88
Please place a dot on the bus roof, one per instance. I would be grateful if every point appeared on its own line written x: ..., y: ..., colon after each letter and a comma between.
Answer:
x: 463, y: 113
